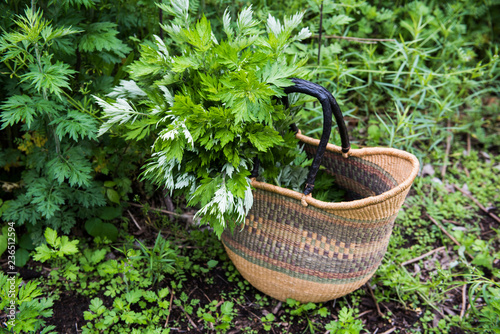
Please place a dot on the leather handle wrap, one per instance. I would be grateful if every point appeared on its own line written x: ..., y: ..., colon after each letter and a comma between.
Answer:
x: 330, y: 107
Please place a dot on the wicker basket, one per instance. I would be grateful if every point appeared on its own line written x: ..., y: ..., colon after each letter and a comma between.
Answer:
x: 294, y: 246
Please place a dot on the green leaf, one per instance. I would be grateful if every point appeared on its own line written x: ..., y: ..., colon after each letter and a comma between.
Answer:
x: 28, y: 292
x: 43, y: 253
x: 92, y: 258
x: 71, y: 165
x: 334, y: 49
x: 152, y: 62
x: 109, y: 184
x: 483, y: 259
x: 18, y: 108
x: 164, y: 304
x: 131, y: 317
x: 71, y: 271
x: 113, y: 195
x: 163, y: 293
x: 201, y: 36
x: 150, y: 296
x: 227, y: 307
x: 50, y: 77
x: 374, y: 132
x: 225, y: 325
x: 26, y: 242
x: 97, y: 306
x: 140, y: 129
x: 24, y: 108
x: 76, y: 125
x: 49, y: 33
x: 323, y: 312
x: 248, y: 99
x: 98, y: 255
x: 3, y: 244
x: 208, y: 317
x: 96, y: 228
x: 109, y: 212
x: 101, y: 36
x: 264, y: 137
x: 182, y: 63
x: 278, y: 74
x: 119, y: 304
x: 339, y: 20
x: 133, y: 296
x: 48, y: 200
x: 67, y: 247
x: 21, y: 257
x: 51, y: 237
x: 48, y: 330
x: 90, y: 197
x: 212, y: 263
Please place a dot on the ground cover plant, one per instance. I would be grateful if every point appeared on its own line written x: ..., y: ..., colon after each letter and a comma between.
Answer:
x: 100, y: 250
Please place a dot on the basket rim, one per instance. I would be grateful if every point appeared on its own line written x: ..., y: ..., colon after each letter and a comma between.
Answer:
x: 356, y: 204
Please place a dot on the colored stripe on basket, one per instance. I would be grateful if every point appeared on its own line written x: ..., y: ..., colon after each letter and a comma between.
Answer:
x: 313, y: 242
x: 304, y: 273
x: 273, y: 202
x: 282, y: 286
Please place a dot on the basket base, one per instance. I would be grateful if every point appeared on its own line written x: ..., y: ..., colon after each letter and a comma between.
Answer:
x: 281, y: 286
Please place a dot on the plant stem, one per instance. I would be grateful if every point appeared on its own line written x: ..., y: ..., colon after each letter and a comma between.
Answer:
x: 423, y: 256
x: 357, y: 39
x: 448, y: 234
x: 464, y: 301
x: 447, y: 152
x: 374, y: 299
x: 44, y: 91
x: 75, y: 104
x: 491, y: 214
x: 156, y: 209
x: 160, y: 18
x: 320, y: 32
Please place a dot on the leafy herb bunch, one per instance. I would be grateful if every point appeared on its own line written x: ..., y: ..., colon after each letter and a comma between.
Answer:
x: 212, y: 105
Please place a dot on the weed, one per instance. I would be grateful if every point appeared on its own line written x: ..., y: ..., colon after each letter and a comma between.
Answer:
x: 160, y: 258
x: 307, y: 310
x: 23, y: 307
x: 347, y: 323
x: 267, y: 321
x: 219, y: 317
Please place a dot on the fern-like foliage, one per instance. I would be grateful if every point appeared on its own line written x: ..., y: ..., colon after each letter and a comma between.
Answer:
x: 31, y: 309
x: 211, y: 103
x: 101, y: 36
x: 47, y: 119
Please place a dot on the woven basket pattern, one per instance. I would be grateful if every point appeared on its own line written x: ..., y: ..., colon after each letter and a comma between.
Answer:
x: 324, y: 250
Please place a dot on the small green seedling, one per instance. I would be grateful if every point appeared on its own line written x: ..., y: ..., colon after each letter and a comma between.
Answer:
x: 56, y: 247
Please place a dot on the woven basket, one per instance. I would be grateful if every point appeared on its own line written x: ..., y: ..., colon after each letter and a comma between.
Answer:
x: 294, y: 246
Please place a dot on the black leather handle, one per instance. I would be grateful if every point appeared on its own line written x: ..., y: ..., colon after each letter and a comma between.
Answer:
x: 330, y: 106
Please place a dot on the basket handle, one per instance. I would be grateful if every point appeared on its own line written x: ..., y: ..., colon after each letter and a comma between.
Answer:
x: 330, y: 107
